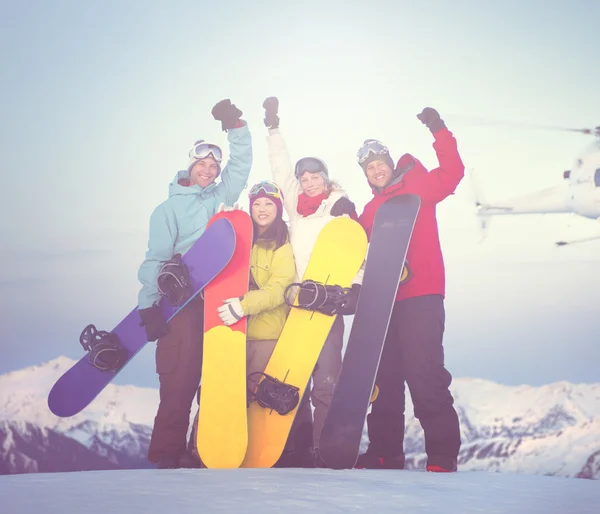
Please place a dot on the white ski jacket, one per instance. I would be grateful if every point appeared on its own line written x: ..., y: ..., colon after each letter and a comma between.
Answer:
x: 303, y: 230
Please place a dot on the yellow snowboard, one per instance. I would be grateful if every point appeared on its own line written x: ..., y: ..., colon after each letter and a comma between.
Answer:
x: 225, y: 447
x: 336, y: 258
x: 222, y: 432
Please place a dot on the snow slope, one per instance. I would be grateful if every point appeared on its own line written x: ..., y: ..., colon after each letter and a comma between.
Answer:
x: 268, y: 491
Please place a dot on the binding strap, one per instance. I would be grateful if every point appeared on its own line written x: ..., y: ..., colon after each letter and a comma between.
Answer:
x: 314, y: 296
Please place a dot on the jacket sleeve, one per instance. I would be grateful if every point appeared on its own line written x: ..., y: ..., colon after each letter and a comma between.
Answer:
x: 283, y: 171
x: 234, y: 175
x: 161, y: 244
x: 442, y: 181
x: 283, y: 270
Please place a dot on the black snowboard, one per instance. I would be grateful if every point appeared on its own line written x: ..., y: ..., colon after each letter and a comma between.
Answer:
x: 392, y: 229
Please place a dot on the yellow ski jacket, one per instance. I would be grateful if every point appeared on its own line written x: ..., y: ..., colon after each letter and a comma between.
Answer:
x: 272, y: 271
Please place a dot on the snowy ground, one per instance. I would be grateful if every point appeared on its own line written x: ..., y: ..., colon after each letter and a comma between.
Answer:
x: 295, y: 490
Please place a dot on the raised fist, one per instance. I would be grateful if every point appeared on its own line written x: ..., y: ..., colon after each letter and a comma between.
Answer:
x: 431, y: 119
x: 227, y: 113
x: 271, y: 106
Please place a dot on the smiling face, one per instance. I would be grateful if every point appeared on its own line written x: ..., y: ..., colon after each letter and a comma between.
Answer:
x: 379, y: 173
x: 204, y: 172
x: 264, y: 212
x: 313, y: 184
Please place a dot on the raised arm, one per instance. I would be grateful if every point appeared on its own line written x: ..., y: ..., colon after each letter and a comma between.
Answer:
x: 443, y: 180
x: 234, y: 175
x: 282, y: 168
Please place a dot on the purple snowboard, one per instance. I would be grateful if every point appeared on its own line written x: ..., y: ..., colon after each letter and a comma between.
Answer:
x: 79, y: 385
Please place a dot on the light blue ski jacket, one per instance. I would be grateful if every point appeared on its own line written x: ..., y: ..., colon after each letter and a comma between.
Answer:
x: 178, y: 222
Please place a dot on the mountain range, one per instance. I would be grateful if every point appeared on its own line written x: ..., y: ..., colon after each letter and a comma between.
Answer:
x: 552, y: 429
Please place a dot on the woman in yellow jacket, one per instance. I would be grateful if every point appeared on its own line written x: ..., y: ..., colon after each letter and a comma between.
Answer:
x: 272, y: 269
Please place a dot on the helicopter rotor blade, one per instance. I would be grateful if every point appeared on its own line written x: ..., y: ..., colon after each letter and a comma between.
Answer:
x: 513, y: 124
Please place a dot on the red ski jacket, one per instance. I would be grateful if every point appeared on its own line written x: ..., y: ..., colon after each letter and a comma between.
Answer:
x: 424, y: 253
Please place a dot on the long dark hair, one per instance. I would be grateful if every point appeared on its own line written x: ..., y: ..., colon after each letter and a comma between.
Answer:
x: 278, y: 232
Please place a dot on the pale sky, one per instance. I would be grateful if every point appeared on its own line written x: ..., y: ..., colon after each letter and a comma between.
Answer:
x: 101, y: 101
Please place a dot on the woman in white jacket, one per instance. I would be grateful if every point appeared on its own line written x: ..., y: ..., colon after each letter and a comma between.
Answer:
x: 311, y: 200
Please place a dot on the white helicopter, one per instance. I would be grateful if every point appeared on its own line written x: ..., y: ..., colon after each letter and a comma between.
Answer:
x: 579, y: 195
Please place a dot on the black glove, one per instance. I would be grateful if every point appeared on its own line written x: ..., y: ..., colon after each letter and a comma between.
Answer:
x: 271, y: 106
x: 431, y: 119
x: 227, y: 113
x: 350, y: 306
x: 343, y: 206
x: 153, y: 322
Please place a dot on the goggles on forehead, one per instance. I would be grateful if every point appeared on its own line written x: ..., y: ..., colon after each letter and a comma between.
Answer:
x: 202, y: 150
x: 268, y: 188
x: 310, y: 164
x: 371, y: 146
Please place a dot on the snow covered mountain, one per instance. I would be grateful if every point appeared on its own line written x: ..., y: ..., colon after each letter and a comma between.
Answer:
x: 113, y: 433
x: 548, y: 430
x: 551, y: 430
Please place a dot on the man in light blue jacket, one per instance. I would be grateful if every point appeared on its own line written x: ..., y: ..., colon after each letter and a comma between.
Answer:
x: 175, y: 225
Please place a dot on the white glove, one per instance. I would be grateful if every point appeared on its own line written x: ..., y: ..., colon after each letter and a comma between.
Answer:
x: 227, y: 208
x: 231, y: 311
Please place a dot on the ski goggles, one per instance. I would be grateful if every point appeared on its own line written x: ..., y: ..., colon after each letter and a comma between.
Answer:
x: 310, y: 164
x: 371, y: 146
x: 268, y: 188
x: 202, y: 150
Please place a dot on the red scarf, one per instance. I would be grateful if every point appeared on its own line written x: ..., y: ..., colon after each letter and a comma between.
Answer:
x: 308, y: 205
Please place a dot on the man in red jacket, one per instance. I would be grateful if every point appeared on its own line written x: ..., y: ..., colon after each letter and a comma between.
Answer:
x: 413, y: 351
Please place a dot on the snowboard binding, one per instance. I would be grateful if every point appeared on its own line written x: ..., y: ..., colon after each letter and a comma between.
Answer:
x: 272, y: 393
x: 312, y: 296
x: 174, y: 281
x: 105, y: 351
